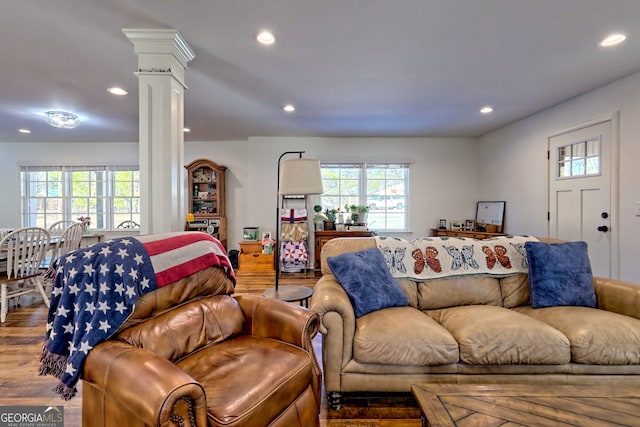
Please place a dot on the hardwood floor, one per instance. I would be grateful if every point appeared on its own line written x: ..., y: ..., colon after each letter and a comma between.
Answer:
x: 21, y: 340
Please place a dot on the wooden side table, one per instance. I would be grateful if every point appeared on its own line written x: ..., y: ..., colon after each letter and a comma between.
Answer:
x: 251, y: 257
x: 291, y: 293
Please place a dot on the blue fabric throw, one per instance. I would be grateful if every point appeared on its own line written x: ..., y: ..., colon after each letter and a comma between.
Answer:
x: 560, y: 274
x: 367, y: 281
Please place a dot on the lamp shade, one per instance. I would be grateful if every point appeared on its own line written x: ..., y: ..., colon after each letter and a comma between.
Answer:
x: 300, y: 177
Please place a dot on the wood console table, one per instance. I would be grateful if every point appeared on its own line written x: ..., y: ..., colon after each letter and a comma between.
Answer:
x: 322, y: 237
x: 435, y: 232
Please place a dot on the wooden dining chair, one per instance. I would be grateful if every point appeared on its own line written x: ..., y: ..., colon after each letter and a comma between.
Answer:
x: 59, y: 227
x: 24, y: 249
x: 128, y: 224
x: 68, y: 241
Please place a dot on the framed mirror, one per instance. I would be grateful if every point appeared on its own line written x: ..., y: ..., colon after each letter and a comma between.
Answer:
x: 490, y: 217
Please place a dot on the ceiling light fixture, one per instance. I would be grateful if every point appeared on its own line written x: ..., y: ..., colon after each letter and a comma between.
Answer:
x: 24, y: 131
x: 613, y: 40
x: 117, y: 91
x: 62, y: 119
x: 486, y: 110
x: 289, y: 108
x: 266, y: 38
x: 185, y: 130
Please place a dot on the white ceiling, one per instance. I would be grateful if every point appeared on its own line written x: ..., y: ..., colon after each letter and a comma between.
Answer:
x: 351, y: 67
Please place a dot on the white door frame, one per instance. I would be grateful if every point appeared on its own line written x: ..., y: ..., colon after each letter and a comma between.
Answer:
x: 614, y: 118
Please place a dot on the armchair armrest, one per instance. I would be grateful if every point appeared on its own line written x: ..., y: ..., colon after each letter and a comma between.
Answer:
x: 151, y: 387
x: 618, y: 296
x: 271, y: 318
x: 338, y: 326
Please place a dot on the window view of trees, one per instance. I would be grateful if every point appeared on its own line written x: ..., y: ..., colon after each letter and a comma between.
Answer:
x: 380, y: 187
x: 108, y: 196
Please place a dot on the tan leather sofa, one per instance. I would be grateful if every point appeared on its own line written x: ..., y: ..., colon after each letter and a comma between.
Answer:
x: 473, y: 330
x: 192, y: 354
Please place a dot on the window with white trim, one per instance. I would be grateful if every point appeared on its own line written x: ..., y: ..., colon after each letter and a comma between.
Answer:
x: 108, y: 195
x: 579, y: 159
x: 382, y: 187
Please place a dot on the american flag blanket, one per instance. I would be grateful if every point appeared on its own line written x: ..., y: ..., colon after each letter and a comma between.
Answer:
x: 434, y: 257
x: 95, y: 290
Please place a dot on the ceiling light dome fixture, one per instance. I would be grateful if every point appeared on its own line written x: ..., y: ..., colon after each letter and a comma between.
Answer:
x: 266, y: 37
x: 612, y: 40
x: 62, y: 119
x: 486, y: 110
x: 117, y: 91
x: 289, y: 108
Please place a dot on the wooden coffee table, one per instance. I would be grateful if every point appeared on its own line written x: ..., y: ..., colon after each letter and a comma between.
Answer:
x: 527, y: 405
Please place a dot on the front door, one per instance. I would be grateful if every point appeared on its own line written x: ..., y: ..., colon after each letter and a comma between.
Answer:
x: 580, y: 191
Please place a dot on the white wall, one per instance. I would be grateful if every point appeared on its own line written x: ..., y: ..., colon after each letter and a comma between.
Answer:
x: 443, y: 173
x: 514, y: 164
x: 14, y: 155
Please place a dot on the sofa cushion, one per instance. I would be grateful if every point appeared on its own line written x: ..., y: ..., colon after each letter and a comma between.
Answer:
x: 560, y: 274
x: 367, y: 281
x: 489, y: 335
x: 597, y: 337
x: 455, y: 291
x: 249, y: 380
x: 403, y: 336
x: 515, y: 290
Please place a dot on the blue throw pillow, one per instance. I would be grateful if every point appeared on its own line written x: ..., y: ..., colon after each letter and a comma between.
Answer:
x: 560, y: 274
x: 366, y: 279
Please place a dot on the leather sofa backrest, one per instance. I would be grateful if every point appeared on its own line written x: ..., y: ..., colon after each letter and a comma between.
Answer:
x: 210, y: 281
x: 515, y: 290
x: 188, y: 327
x: 458, y: 290
x: 511, y: 291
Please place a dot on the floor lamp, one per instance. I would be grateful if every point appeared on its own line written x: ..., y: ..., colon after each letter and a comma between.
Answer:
x: 296, y: 177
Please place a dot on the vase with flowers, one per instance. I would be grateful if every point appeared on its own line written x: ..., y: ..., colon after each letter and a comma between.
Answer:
x: 86, y: 222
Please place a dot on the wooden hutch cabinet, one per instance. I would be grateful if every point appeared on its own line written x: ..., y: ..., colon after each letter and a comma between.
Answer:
x: 206, y: 191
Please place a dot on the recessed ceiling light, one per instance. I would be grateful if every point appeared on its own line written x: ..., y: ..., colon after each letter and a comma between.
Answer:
x: 24, y: 131
x: 117, y: 91
x: 185, y: 130
x: 486, y: 110
x: 612, y: 40
x: 289, y: 108
x: 266, y: 38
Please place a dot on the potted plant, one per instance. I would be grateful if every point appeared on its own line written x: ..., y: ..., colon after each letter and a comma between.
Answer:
x: 318, y: 218
x: 359, y: 214
x: 347, y: 209
x: 330, y: 221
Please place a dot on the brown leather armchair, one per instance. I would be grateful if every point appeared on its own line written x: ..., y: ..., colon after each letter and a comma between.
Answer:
x: 192, y: 354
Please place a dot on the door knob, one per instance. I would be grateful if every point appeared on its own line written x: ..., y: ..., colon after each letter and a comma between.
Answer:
x: 603, y: 228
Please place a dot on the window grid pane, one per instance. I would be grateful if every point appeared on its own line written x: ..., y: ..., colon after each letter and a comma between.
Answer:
x: 381, y: 187
x: 55, y: 193
x: 579, y: 159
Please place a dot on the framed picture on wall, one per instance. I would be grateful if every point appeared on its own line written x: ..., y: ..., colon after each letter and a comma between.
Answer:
x: 490, y: 216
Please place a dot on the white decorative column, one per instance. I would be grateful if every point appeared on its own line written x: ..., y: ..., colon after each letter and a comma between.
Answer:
x: 162, y: 60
